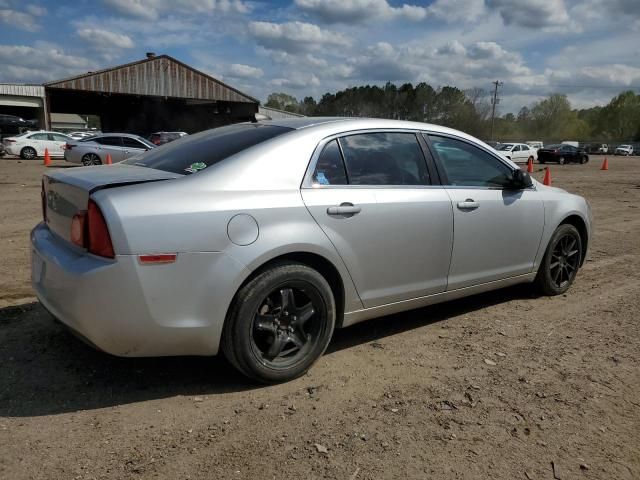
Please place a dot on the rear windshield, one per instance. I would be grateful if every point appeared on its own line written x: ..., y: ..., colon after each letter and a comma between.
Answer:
x: 197, y: 152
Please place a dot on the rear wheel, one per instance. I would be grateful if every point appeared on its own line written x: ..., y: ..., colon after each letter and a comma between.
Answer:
x: 91, y: 159
x: 561, y: 160
x: 583, y: 160
x: 281, y: 322
x: 561, y: 261
x: 28, y: 153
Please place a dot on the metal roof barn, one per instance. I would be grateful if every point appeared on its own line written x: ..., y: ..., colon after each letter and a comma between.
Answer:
x: 154, y: 94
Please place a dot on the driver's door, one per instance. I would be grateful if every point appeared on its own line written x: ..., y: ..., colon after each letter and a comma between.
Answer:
x: 497, y: 229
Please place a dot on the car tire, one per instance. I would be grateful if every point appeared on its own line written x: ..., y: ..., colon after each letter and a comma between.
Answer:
x: 583, y: 160
x: 89, y: 159
x: 561, y: 161
x: 541, y: 161
x: 280, y: 323
x: 561, y: 261
x: 28, y: 153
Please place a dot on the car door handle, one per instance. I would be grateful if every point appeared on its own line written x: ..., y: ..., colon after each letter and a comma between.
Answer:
x: 468, y: 204
x: 344, y: 208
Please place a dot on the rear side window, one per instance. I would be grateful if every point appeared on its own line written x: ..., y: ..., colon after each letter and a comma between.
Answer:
x: 330, y: 167
x: 40, y: 136
x: 111, y: 141
x: 199, y: 151
x: 386, y: 158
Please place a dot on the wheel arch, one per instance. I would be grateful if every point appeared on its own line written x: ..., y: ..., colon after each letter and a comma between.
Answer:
x: 313, y: 260
x: 578, y: 222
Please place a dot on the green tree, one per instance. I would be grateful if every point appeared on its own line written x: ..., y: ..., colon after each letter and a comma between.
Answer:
x: 282, y: 101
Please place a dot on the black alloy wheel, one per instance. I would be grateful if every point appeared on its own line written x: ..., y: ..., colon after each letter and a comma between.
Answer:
x: 280, y: 323
x: 561, y: 261
x: 287, y: 324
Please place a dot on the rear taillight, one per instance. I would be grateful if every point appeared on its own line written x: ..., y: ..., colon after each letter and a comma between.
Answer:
x: 69, y: 146
x: 99, y: 240
x: 78, y: 228
x: 9, y: 140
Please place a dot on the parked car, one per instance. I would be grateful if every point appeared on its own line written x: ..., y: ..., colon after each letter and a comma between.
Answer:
x: 30, y: 145
x: 535, y: 144
x: 11, y: 123
x: 562, y: 153
x: 2, y: 150
x: 602, y: 148
x: 83, y: 134
x: 259, y: 239
x: 624, y: 150
x: 160, y: 138
x: 94, y: 150
x: 518, y: 152
x: 492, y: 144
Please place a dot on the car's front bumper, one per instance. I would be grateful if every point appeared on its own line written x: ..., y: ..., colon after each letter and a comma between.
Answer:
x: 129, y: 309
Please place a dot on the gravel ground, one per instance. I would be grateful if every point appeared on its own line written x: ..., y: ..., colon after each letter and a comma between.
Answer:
x: 502, y: 385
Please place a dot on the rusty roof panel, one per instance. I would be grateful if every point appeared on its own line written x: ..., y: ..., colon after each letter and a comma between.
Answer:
x: 161, y: 76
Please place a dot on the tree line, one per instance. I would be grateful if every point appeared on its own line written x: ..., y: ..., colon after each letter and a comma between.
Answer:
x: 551, y: 119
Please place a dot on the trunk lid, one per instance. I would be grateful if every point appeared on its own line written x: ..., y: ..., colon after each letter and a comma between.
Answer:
x: 67, y: 192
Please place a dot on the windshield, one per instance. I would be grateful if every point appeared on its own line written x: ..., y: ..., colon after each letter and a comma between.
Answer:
x: 193, y: 153
x: 505, y: 147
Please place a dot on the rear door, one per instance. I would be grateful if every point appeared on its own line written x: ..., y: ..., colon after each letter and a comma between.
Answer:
x: 39, y: 141
x: 111, y: 145
x: 497, y: 229
x: 372, y: 195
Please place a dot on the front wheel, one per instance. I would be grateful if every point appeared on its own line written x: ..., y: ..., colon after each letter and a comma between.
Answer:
x: 583, y: 160
x: 280, y: 323
x: 561, y: 160
x: 561, y: 261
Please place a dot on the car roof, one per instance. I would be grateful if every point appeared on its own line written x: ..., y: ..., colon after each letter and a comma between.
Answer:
x: 130, y: 135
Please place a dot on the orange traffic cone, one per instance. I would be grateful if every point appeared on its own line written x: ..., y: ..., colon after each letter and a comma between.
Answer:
x: 47, y: 157
x: 605, y: 164
x: 547, y: 177
x: 108, y: 162
x: 530, y: 166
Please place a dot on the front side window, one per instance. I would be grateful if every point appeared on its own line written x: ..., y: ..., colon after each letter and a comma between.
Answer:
x: 467, y: 165
x: 56, y: 137
x: 384, y: 159
x: 132, y: 143
x: 516, y: 148
x: 330, y: 166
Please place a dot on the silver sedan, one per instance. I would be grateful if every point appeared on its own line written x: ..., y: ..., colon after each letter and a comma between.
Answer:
x: 94, y: 149
x: 260, y: 239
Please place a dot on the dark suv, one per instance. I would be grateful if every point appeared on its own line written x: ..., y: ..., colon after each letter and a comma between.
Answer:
x: 160, y: 138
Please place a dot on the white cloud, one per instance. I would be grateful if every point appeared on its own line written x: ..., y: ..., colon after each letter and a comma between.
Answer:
x: 20, y: 20
x: 531, y: 13
x: 295, y: 36
x: 105, y: 39
x: 239, y: 70
x: 21, y: 63
x: 36, y: 10
x: 154, y: 9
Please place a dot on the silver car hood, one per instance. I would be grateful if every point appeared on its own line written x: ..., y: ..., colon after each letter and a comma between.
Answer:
x: 92, y: 178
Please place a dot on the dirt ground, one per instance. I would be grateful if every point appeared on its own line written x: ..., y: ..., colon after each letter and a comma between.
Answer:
x: 505, y: 385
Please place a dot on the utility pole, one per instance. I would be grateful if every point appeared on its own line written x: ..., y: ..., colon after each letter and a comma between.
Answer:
x: 494, y: 102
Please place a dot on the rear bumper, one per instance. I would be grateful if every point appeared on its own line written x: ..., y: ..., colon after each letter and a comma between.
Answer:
x: 134, y: 310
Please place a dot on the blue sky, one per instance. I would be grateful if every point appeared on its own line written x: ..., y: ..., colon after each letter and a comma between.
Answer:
x: 587, y: 49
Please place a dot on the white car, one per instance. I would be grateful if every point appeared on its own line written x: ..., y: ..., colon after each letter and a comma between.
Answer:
x: 517, y: 152
x: 624, y: 150
x: 30, y: 145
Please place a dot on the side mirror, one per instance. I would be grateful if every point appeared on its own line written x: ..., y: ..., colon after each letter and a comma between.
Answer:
x: 520, y: 180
